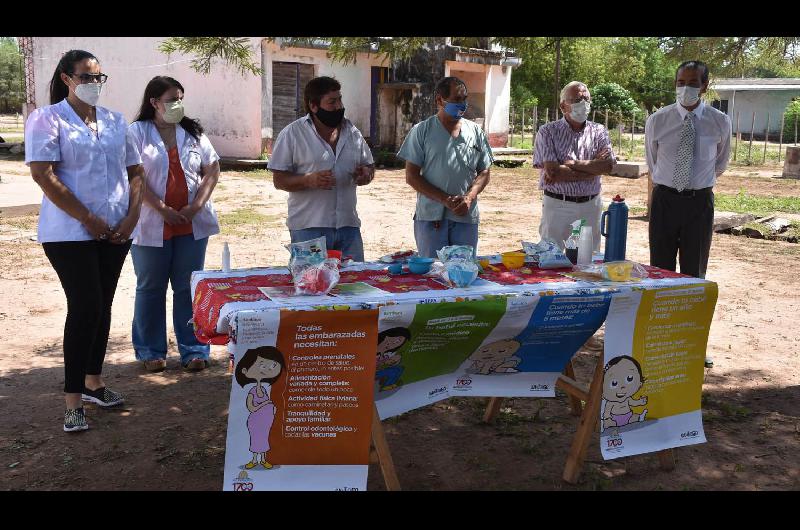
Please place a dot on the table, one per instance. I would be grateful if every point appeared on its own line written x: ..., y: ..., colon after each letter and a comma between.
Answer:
x: 524, y: 304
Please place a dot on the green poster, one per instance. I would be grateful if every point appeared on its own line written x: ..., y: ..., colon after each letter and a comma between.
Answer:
x: 443, y: 335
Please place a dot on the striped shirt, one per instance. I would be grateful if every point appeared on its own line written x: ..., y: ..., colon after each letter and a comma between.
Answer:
x: 557, y: 142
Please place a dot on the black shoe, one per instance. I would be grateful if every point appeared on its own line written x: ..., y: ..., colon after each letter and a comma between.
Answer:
x: 102, y: 396
x: 75, y: 420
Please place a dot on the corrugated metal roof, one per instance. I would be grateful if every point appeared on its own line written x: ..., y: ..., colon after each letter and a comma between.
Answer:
x: 755, y: 83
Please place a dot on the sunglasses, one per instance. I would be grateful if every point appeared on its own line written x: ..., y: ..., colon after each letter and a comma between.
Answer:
x: 91, y: 78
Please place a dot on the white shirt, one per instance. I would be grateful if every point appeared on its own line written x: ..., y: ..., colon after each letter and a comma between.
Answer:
x: 300, y: 149
x: 712, y: 145
x: 92, y: 167
x: 194, y: 155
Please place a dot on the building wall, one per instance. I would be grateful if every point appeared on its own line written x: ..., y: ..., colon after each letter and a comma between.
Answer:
x: 354, y: 78
x: 498, y: 95
x: 227, y: 103
x: 761, y: 102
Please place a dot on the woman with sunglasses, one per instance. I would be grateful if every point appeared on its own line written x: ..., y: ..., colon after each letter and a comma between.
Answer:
x: 92, y: 179
x: 181, y: 170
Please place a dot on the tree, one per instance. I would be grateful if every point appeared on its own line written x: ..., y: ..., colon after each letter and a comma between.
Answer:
x: 12, y: 76
x: 615, y: 99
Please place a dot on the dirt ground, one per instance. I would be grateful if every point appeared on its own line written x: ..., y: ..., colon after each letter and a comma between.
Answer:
x: 170, y: 434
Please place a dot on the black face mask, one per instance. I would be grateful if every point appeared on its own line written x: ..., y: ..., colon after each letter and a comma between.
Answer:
x: 330, y: 118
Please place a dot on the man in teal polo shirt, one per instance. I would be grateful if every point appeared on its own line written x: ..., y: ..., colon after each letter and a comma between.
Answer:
x: 447, y: 163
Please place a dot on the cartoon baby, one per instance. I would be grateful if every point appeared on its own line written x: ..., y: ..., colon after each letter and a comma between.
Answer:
x: 388, y: 369
x: 495, y: 357
x: 623, y: 378
x: 261, y: 366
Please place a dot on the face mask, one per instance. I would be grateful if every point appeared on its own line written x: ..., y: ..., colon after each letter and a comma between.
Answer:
x: 455, y: 110
x: 89, y: 93
x: 687, y: 95
x: 173, y: 111
x: 330, y: 118
x: 580, y: 111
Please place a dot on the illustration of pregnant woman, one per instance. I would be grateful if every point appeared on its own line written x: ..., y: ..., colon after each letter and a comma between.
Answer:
x: 260, y: 367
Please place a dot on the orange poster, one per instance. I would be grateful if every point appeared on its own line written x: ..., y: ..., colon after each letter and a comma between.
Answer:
x: 301, y: 400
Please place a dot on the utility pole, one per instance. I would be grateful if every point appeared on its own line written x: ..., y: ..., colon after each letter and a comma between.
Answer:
x: 558, y: 77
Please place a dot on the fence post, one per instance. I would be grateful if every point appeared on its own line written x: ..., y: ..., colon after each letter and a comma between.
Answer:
x: 522, y: 140
x: 766, y: 139
x: 780, y: 141
x: 752, y: 130
x: 633, y: 128
x: 795, y: 127
x: 594, y: 115
x: 619, y: 130
x: 535, y: 118
x: 736, y: 136
x: 547, y: 115
x: 511, y: 130
x: 607, y: 122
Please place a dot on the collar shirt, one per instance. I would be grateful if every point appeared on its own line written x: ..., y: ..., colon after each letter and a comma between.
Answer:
x: 557, y: 142
x: 301, y: 150
x: 92, y: 166
x: 711, y: 148
x: 450, y: 164
x: 194, y: 155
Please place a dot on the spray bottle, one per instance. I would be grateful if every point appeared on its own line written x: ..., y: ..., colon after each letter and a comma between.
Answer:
x: 571, y: 244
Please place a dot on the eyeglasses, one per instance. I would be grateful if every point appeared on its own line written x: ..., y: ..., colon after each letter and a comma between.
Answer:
x: 571, y: 101
x: 91, y: 78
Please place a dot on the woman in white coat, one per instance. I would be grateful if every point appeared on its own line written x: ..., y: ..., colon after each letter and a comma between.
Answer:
x: 181, y: 170
x: 80, y: 155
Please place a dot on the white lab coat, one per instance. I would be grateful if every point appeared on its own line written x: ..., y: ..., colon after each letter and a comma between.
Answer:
x: 92, y: 167
x: 194, y: 155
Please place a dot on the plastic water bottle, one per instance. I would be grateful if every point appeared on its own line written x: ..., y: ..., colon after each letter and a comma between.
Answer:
x: 585, y: 245
x: 615, y: 230
x: 226, y: 258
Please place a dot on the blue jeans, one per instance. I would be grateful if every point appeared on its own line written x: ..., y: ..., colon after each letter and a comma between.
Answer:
x: 346, y: 239
x: 430, y: 239
x: 155, y: 267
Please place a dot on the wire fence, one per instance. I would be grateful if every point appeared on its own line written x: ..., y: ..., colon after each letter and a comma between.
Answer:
x: 750, y: 145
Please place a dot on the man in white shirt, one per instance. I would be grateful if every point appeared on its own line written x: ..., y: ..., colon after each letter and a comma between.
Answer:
x: 320, y: 159
x: 687, y: 146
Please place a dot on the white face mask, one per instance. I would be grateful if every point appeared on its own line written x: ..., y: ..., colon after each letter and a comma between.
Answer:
x: 89, y: 93
x: 173, y: 111
x: 580, y: 111
x: 687, y: 95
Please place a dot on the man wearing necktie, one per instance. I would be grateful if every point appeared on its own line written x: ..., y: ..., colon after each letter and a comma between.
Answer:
x: 687, y: 146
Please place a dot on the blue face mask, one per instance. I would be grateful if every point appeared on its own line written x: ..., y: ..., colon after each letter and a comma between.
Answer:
x: 455, y: 110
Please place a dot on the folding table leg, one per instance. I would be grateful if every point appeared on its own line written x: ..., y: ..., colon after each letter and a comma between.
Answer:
x: 586, y: 427
x: 384, y: 455
x: 574, y: 403
x: 492, y: 409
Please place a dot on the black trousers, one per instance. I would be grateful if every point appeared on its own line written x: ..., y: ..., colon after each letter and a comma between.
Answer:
x: 682, y: 224
x: 89, y: 271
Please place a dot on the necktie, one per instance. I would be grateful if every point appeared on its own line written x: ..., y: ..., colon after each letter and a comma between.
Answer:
x: 683, y: 165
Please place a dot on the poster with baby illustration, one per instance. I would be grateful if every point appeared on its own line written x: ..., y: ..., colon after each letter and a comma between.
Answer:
x: 498, y: 346
x: 655, y: 346
x: 301, y: 400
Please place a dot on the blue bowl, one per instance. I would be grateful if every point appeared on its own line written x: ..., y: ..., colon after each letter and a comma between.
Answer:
x: 396, y: 268
x: 419, y: 259
x: 420, y: 267
x: 461, y: 277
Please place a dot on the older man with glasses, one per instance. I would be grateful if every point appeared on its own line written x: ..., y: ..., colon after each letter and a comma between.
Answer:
x: 572, y: 153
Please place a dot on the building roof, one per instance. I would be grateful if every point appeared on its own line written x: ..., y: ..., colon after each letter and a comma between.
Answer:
x: 754, y: 83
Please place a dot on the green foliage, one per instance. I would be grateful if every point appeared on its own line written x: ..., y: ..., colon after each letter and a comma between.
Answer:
x: 235, y: 51
x: 615, y: 99
x: 12, y: 76
x: 790, y: 120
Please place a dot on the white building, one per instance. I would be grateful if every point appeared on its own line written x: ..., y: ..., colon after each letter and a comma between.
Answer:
x: 243, y: 113
x: 767, y: 98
